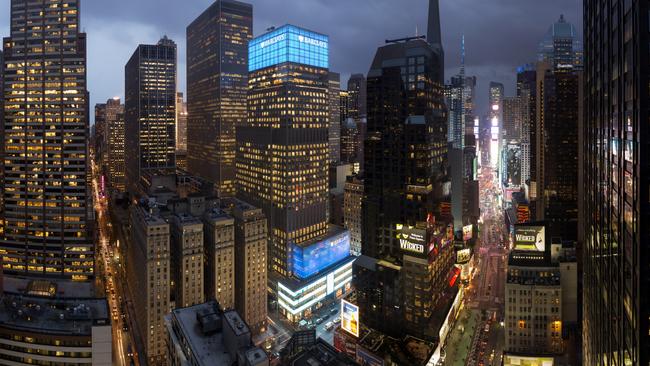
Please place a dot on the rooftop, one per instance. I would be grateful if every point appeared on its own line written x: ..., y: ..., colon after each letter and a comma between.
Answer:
x: 236, y: 323
x: 321, y: 354
x: 208, y: 349
x: 52, y: 311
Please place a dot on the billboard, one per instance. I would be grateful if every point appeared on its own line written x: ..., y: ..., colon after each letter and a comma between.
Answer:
x: 288, y: 44
x: 530, y: 238
x: 412, y: 240
x: 467, y: 232
x: 312, y: 259
x: 463, y: 255
x: 350, y: 318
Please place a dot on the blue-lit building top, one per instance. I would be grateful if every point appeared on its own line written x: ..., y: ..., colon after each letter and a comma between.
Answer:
x: 288, y: 44
x: 310, y: 260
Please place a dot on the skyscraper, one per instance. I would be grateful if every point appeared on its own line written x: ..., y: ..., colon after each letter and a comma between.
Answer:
x: 283, y: 152
x: 150, y: 110
x: 45, y: 193
x: 334, y: 132
x: 616, y: 305
x: 217, y: 77
x: 496, y: 100
x: 181, y: 123
x: 282, y: 165
x: 527, y: 93
x: 558, y: 117
x: 561, y: 45
x: 114, y: 159
x: 357, y: 95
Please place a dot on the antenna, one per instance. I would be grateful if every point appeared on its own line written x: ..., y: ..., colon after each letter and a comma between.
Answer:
x: 462, y: 56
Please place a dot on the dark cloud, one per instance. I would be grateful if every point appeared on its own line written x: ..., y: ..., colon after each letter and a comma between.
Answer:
x: 499, y: 34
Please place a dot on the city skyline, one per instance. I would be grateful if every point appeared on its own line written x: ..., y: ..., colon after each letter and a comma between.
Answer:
x: 354, y: 34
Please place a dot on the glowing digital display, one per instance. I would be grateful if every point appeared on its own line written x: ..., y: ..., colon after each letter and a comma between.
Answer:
x: 350, y: 318
x: 530, y: 238
x: 463, y: 256
x: 288, y: 44
x: 467, y: 232
x: 412, y: 240
x: 314, y: 258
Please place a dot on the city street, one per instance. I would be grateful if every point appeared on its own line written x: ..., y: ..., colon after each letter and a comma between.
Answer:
x: 112, y: 283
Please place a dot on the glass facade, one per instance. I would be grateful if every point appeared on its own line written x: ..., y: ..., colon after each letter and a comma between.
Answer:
x: 289, y: 44
x: 312, y: 259
x: 616, y: 251
x: 150, y: 110
x: 217, y: 83
x: 45, y: 191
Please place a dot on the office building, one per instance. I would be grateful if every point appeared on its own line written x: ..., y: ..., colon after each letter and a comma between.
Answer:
x: 334, y: 132
x: 99, y: 136
x: 403, y: 192
x: 220, y: 257
x: 533, y: 311
x: 282, y: 162
x: 344, y: 101
x: 352, y: 214
x: 352, y: 136
x: 114, y: 153
x: 495, y: 100
x: 357, y: 97
x: 181, y: 124
x: 403, y: 186
x: 47, y: 207
x: 204, y: 335
x: 512, y: 119
x: 150, y: 110
x: 217, y: 80
x: 251, y: 235
x: 561, y: 45
x: 53, y: 323
x: 149, y: 275
x: 527, y: 93
x: 616, y: 311
x: 186, y: 260
x: 558, y: 116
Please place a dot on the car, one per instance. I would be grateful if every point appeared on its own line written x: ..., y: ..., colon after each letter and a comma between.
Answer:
x: 334, y: 310
x: 319, y: 320
x: 125, y: 327
x: 325, y: 317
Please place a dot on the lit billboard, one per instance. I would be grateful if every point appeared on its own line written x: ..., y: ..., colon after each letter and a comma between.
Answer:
x: 350, y: 318
x: 312, y: 259
x: 467, y: 232
x: 288, y: 44
x: 463, y: 256
x: 530, y: 238
x: 412, y: 240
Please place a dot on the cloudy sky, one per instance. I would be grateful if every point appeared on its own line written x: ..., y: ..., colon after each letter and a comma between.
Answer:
x: 499, y: 34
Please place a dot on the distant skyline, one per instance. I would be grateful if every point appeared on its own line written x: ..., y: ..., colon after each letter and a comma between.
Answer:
x: 499, y: 34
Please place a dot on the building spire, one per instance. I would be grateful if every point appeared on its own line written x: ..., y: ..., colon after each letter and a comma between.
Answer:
x: 434, y: 35
x: 462, y: 56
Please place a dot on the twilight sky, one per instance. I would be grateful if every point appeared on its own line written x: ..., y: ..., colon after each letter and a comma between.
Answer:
x: 499, y: 34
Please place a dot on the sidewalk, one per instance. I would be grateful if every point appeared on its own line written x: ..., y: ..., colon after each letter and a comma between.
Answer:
x: 460, y: 342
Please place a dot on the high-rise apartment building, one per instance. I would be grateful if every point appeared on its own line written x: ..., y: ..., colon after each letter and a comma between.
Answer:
x: 181, y: 123
x: 559, y: 100
x: 334, y: 132
x: 45, y: 192
x: 561, y: 45
x: 251, y: 239
x: 150, y: 110
x: 114, y: 158
x: 149, y: 276
x: 616, y: 302
x: 217, y: 80
x: 187, y: 260
x: 220, y: 257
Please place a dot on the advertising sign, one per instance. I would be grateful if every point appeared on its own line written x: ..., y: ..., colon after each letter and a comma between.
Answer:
x: 530, y: 238
x: 312, y: 259
x: 467, y: 232
x: 412, y: 240
x: 350, y: 318
x: 463, y: 255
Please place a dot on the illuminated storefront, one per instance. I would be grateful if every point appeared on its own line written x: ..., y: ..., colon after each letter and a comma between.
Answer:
x: 297, y: 299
